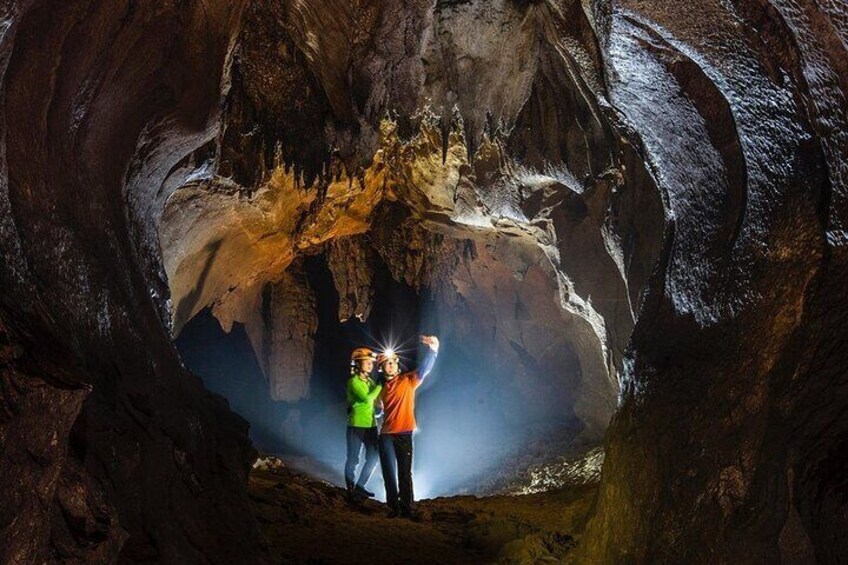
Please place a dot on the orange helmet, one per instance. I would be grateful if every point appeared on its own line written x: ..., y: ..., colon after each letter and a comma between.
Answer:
x: 362, y: 353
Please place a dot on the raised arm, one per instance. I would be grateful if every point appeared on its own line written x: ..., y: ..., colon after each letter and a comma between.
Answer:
x: 429, y: 360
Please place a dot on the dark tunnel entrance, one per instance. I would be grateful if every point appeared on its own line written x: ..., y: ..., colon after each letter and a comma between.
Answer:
x: 477, y: 428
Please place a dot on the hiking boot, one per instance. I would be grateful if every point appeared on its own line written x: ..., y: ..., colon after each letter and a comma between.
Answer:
x: 360, y: 490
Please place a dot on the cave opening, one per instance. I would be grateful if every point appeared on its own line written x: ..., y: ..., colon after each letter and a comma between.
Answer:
x: 479, y: 425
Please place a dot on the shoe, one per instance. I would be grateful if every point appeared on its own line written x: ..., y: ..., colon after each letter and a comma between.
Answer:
x: 394, y: 512
x: 359, y: 489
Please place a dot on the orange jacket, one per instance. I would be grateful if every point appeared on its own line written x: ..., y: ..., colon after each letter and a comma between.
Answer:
x: 398, y: 398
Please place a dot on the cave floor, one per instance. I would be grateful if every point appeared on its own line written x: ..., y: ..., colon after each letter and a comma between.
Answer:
x: 308, y: 521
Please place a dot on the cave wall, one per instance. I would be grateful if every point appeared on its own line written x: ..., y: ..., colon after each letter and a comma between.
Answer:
x: 740, y: 108
x: 108, y: 444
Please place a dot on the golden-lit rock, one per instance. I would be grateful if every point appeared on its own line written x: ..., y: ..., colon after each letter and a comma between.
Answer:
x: 229, y: 252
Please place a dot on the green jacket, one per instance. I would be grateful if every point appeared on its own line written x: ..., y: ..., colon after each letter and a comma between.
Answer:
x: 360, y: 402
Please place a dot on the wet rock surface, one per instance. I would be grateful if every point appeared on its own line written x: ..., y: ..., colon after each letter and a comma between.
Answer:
x: 726, y: 336
x: 653, y: 193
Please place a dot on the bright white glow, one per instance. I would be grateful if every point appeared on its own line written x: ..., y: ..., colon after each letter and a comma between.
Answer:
x: 392, y: 347
x: 421, y: 486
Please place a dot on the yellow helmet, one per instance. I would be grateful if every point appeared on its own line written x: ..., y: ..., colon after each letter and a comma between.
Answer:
x: 362, y: 353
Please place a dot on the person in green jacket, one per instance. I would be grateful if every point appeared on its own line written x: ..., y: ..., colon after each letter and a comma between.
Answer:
x: 361, y: 422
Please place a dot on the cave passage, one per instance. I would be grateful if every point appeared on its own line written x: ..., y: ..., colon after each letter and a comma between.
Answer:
x: 626, y: 220
x: 474, y: 433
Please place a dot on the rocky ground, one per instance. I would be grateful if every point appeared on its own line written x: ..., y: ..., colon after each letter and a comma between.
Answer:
x: 573, y: 468
x: 309, y: 521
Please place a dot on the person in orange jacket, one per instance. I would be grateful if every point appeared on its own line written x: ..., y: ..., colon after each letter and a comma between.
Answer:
x: 398, y: 399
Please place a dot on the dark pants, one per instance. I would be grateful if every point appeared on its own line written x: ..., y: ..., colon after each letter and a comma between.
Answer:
x: 356, y: 438
x: 396, y: 463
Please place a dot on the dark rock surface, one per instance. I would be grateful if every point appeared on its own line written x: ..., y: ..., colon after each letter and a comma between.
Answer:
x: 108, y: 444
x: 730, y: 424
x: 653, y: 192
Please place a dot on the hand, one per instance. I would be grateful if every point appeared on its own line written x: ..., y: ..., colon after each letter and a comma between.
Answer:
x: 431, y: 341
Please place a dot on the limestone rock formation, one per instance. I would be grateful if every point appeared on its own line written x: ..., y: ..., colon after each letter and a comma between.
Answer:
x: 282, y: 332
x: 223, y: 246
x: 351, y: 261
x: 643, y: 200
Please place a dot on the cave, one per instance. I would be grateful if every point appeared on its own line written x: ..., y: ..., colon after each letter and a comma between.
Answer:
x: 625, y: 220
